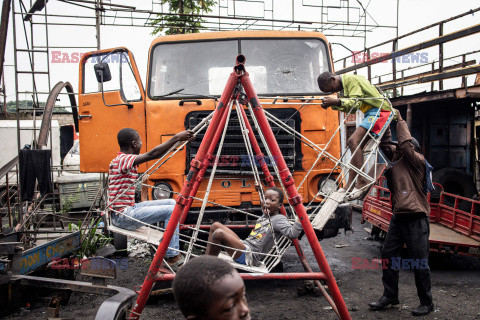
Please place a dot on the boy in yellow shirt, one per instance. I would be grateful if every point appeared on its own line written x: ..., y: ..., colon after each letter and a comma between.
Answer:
x: 360, y: 95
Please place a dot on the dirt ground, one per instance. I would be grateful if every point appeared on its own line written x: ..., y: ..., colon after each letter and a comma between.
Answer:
x: 455, y: 287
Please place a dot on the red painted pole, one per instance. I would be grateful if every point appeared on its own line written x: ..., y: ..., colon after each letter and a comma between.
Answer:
x: 263, y: 276
x: 182, y: 199
x: 294, y: 198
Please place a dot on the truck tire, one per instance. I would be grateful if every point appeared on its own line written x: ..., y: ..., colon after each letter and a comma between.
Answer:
x: 120, y: 244
x: 454, y: 181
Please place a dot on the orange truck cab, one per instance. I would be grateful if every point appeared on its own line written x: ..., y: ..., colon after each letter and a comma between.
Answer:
x: 186, y: 75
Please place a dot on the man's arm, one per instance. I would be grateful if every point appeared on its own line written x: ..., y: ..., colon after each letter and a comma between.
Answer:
x: 161, y: 149
x: 405, y: 143
x: 387, y: 146
x: 388, y: 149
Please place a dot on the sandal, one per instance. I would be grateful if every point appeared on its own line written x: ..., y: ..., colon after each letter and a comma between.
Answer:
x: 177, y: 265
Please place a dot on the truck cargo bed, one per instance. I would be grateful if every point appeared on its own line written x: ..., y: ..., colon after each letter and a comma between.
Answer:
x: 454, y: 220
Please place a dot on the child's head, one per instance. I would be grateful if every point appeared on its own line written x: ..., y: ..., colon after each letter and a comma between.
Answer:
x: 129, y: 141
x: 329, y: 82
x: 209, y: 288
x: 273, y: 200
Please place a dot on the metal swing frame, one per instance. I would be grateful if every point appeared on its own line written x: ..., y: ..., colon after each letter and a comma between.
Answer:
x: 240, y: 78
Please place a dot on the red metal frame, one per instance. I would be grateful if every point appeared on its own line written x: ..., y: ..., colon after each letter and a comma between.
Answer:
x: 240, y: 78
x: 377, y: 209
x: 264, y: 276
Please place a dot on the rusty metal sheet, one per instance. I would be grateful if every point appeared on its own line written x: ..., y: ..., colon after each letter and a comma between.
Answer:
x: 48, y: 111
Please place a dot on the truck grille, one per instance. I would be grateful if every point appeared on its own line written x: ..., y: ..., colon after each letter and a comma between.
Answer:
x: 234, y: 159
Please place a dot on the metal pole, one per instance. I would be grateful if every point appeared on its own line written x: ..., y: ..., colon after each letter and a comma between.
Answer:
x: 3, y: 31
x: 9, y: 210
x: 440, y: 56
x: 409, y: 116
x: 398, y: 10
x: 265, y: 276
x: 394, y: 67
x: 19, y: 186
x: 4, y: 92
x: 98, y: 21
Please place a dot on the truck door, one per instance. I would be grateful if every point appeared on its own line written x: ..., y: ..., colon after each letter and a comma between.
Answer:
x: 102, y: 115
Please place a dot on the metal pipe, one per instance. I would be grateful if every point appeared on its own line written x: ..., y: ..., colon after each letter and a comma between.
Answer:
x: 19, y: 186
x: 261, y: 276
x: 8, y: 201
x: 3, y: 31
x: 409, y: 116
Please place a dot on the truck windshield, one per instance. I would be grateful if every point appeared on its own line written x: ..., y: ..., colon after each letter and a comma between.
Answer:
x: 276, y: 66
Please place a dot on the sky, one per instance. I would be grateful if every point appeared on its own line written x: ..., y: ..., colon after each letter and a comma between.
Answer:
x: 412, y: 15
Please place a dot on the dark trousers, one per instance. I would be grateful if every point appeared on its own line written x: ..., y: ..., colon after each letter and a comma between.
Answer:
x: 35, y: 166
x: 413, y: 230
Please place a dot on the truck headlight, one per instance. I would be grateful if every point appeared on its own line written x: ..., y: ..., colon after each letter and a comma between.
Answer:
x: 162, y: 190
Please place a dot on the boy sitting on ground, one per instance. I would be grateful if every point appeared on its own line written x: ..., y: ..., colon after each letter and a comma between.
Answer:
x: 261, y: 239
x: 121, y: 190
x: 357, y: 87
x: 208, y: 288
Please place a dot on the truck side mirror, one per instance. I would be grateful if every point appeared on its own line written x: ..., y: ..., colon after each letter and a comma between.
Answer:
x: 102, y: 72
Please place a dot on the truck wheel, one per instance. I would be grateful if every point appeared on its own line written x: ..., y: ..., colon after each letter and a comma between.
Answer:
x: 120, y: 244
x: 454, y: 181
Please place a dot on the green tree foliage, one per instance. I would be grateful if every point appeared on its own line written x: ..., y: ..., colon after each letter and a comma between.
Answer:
x: 24, y: 104
x: 28, y: 104
x: 183, y: 16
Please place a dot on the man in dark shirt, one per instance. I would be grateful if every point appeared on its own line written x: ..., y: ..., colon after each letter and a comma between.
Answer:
x: 406, y: 179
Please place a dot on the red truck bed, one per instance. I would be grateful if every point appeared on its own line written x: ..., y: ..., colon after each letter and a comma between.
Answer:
x: 454, y: 223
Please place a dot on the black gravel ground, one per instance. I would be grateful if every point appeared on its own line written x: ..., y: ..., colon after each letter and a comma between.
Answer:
x: 455, y: 287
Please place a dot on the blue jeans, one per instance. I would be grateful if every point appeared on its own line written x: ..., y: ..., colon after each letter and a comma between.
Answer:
x: 149, y: 212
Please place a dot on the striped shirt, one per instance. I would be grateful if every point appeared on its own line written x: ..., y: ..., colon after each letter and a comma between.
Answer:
x: 122, y: 177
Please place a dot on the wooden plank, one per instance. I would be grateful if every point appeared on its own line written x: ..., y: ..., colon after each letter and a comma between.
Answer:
x: 423, y: 98
x: 439, y: 233
x: 435, y: 77
x: 328, y: 209
x: 261, y: 269
x: 146, y: 234
x: 436, y: 71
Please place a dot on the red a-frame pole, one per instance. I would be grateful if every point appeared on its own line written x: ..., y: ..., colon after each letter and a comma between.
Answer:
x: 195, y: 175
